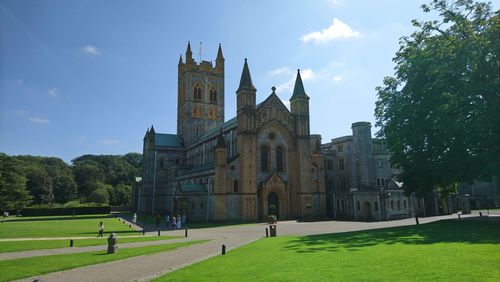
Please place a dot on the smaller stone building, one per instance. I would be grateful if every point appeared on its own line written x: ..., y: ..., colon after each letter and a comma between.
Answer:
x: 361, y: 183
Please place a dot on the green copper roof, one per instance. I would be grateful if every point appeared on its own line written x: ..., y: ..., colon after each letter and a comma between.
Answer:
x: 246, y: 79
x: 186, y: 188
x: 298, y: 90
x: 167, y: 140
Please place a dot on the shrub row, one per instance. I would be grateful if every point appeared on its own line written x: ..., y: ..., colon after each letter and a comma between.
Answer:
x: 63, y: 211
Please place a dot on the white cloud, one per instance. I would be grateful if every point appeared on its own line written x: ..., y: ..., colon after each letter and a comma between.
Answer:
x: 337, y: 78
x: 280, y: 71
x: 20, y: 81
x: 20, y: 113
x: 109, y: 141
x: 91, y: 50
x: 337, y: 30
x: 53, y: 92
x: 39, y: 120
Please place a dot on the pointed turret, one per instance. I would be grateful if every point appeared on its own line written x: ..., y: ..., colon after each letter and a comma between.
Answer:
x: 219, y: 53
x: 246, y: 79
x: 180, y: 59
x: 152, y: 130
x: 189, y: 54
x: 221, y: 143
x: 298, y: 90
x: 219, y: 61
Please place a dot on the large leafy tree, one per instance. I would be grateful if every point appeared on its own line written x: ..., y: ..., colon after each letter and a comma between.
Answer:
x: 40, y: 185
x: 13, y: 192
x: 440, y: 112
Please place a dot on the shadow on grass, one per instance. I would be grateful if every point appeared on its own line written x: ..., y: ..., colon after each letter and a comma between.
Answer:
x: 66, y: 217
x: 448, y: 231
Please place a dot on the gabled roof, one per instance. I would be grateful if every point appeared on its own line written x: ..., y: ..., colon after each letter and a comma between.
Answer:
x: 168, y: 140
x: 273, y: 98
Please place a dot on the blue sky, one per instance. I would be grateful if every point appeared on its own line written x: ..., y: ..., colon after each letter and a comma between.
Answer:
x: 89, y: 77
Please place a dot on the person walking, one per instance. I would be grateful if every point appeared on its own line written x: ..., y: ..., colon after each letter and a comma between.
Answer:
x: 101, y: 230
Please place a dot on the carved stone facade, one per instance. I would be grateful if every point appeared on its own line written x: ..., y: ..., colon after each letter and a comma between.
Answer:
x: 259, y: 163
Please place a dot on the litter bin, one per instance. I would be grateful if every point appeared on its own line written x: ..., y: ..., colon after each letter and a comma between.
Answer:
x: 272, y: 230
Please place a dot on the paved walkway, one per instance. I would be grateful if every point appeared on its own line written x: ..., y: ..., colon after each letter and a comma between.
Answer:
x: 144, y: 268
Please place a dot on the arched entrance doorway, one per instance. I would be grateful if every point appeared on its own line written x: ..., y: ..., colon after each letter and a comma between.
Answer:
x: 368, y: 210
x: 273, y: 204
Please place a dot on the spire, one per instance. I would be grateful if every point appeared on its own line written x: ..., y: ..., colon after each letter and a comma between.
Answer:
x: 298, y: 90
x: 152, y: 131
x: 189, y: 54
x: 246, y: 79
x: 221, y: 143
x: 219, y: 53
x: 180, y: 59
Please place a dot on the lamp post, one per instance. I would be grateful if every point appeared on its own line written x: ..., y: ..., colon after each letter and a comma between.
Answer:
x: 154, y: 186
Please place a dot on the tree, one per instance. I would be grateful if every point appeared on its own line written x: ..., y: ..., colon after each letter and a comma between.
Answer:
x: 13, y: 193
x: 120, y: 195
x: 440, y: 111
x: 100, y: 195
x: 40, y: 185
x: 87, y: 175
x: 65, y: 188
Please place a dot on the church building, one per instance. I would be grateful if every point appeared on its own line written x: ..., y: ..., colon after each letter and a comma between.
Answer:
x: 259, y: 163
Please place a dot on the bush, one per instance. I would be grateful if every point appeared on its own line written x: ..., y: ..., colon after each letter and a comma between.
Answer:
x: 104, y: 209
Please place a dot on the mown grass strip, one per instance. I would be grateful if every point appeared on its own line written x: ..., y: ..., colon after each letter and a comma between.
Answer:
x: 28, y: 267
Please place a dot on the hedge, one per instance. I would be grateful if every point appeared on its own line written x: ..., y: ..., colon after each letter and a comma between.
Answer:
x: 64, y: 211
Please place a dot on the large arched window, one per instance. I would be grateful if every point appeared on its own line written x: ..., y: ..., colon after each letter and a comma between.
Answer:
x: 213, y: 95
x: 264, y: 158
x: 279, y: 159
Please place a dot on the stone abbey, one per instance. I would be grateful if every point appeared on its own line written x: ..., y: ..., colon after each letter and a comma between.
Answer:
x: 258, y: 163
x: 264, y: 161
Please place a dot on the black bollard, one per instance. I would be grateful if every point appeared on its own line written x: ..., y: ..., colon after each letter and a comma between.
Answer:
x: 416, y: 220
x: 71, y: 243
x: 143, y: 231
x: 459, y: 216
x: 223, y: 249
x: 480, y: 214
x: 130, y: 226
x: 158, y: 231
x: 267, y: 233
x: 185, y: 232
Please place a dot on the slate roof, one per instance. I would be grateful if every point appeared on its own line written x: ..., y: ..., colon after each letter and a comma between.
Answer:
x: 214, y: 131
x: 187, y: 188
x: 167, y: 140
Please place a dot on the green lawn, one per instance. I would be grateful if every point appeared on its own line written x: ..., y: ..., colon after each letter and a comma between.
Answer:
x: 17, y: 246
x: 61, y: 226
x: 28, y: 267
x: 447, y: 251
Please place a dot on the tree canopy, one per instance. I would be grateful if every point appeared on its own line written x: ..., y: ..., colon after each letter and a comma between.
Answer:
x: 26, y: 180
x: 440, y: 112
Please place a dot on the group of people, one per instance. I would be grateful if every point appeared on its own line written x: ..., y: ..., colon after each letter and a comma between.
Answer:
x: 175, y: 222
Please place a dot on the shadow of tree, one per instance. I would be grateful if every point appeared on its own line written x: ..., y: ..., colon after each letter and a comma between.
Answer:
x: 448, y: 231
x: 21, y: 219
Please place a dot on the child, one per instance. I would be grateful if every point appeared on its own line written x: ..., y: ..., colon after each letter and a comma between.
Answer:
x: 101, y: 230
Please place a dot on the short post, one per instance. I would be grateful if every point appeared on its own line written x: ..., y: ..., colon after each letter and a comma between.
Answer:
x: 112, y: 241
x: 71, y: 243
x: 158, y: 231
x: 223, y: 249
x: 143, y: 231
x: 459, y: 216
x: 480, y: 214
x: 185, y: 232
x: 416, y: 220
x: 267, y: 233
x: 130, y: 226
